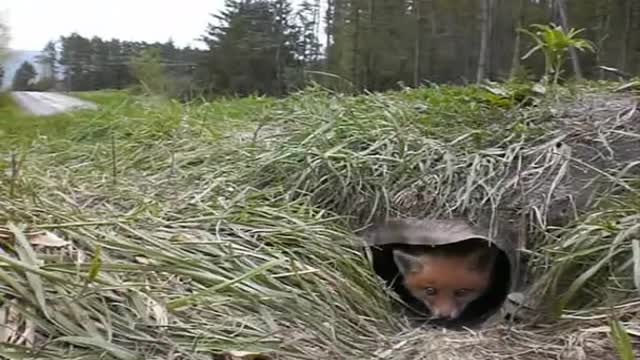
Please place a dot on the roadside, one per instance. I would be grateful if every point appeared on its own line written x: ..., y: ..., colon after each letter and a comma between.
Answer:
x: 46, y: 103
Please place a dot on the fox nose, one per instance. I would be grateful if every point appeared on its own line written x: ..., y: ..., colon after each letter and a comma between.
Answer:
x: 445, y: 315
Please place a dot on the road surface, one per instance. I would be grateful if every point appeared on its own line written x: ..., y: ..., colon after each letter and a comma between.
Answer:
x: 48, y: 103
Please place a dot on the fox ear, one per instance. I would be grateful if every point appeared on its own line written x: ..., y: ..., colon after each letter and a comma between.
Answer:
x: 406, y: 263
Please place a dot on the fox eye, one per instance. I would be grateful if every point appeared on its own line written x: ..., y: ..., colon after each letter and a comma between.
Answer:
x: 430, y: 291
x: 462, y: 292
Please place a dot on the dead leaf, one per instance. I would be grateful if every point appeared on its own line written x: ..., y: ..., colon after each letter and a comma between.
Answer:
x: 28, y: 336
x: 82, y: 257
x: 11, y: 320
x: 143, y: 260
x: 159, y: 312
x: 539, y: 88
x: 4, y: 329
x: 245, y: 355
x: 48, y: 239
x: 181, y: 238
x: 6, y: 236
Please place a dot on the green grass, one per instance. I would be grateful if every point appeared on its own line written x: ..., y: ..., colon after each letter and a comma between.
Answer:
x: 183, y: 240
x: 108, y: 98
x: 21, y: 129
x: 124, y: 115
x: 8, y: 107
x: 598, y: 248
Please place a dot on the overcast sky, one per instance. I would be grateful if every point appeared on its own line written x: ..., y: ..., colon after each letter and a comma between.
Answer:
x: 34, y: 22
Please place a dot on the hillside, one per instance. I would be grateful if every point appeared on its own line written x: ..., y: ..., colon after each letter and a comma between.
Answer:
x: 160, y: 230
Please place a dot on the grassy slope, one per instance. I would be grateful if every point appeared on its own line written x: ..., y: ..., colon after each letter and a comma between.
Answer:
x: 233, y: 244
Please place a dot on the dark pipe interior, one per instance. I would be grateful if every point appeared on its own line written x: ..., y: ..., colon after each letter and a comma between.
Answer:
x: 474, y: 314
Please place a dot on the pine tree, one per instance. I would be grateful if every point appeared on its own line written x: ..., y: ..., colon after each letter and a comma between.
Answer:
x: 4, y: 47
x: 4, y: 40
x: 118, y: 71
x: 49, y: 60
x: 373, y: 42
x: 308, y: 46
x: 75, y: 57
x: 100, y: 68
x: 251, y: 45
x: 25, y: 77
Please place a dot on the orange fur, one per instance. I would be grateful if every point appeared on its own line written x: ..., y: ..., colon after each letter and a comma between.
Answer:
x: 446, y: 282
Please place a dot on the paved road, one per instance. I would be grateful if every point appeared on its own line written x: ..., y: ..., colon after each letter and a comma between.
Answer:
x: 48, y: 103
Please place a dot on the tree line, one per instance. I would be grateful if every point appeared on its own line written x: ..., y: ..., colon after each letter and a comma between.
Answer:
x: 271, y: 47
x: 378, y: 43
x: 77, y: 63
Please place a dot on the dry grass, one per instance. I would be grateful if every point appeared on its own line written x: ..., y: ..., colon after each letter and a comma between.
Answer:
x: 151, y: 235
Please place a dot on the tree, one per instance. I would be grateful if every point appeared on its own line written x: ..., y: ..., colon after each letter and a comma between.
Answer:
x: 628, y: 21
x: 75, y: 57
x: 307, y: 20
x: 251, y: 45
x: 374, y: 42
x: 4, y: 47
x: 515, y: 59
x: 417, y: 45
x: 484, y: 39
x: 25, y: 77
x: 101, y: 67
x: 49, y: 60
x: 147, y: 67
x: 4, y: 40
x: 118, y: 72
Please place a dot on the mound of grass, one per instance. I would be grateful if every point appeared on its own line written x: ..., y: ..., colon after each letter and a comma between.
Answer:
x: 154, y: 230
x: 426, y: 151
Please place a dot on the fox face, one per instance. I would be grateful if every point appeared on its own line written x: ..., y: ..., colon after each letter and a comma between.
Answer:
x: 446, y: 283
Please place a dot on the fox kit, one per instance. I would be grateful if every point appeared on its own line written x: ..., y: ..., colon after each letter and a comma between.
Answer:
x: 447, y: 278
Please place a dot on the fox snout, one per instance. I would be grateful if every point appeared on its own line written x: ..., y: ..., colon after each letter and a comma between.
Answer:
x: 446, y: 313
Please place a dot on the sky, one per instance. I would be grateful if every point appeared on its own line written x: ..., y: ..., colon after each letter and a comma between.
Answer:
x: 34, y: 22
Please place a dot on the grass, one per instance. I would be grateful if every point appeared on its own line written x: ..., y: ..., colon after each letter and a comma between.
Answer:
x: 108, y: 98
x: 158, y: 230
x: 365, y: 157
x: 125, y: 115
x: 600, y: 247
